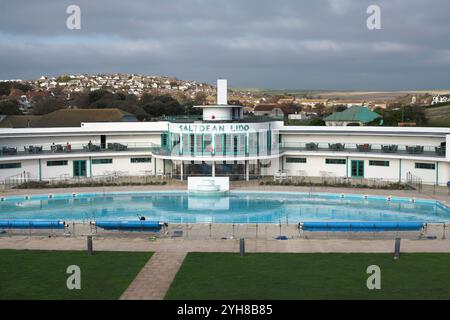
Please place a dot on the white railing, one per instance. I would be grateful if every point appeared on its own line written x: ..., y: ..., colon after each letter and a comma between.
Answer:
x: 17, y: 179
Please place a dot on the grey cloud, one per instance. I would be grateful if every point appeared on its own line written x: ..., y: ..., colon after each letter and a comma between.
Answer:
x: 322, y: 44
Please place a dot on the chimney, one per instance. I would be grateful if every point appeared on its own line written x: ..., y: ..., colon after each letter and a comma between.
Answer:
x: 222, y: 96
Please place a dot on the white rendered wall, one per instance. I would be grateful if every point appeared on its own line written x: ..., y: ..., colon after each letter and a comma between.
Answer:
x: 315, y: 167
x: 428, y: 176
x: 60, y: 172
x: 134, y: 139
x: 124, y: 166
x: 390, y: 173
x: 217, y: 113
x: 31, y: 166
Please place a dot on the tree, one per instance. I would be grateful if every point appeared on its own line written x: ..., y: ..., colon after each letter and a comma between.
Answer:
x: 317, y: 122
x: 63, y: 78
x: 413, y: 114
x: 10, y: 107
x: 96, y: 95
x: 5, y: 87
x: 319, y: 108
x: 200, y: 99
x: 159, y: 105
x: 80, y: 100
x: 339, y: 108
x: 48, y: 105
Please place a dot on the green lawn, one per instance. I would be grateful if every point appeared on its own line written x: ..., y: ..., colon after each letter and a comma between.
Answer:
x: 310, y: 276
x: 42, y: 274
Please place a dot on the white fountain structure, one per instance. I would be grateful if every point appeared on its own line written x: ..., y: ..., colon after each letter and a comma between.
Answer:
x: 208, y: 185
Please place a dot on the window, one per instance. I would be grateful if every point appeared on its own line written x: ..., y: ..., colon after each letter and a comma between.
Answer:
x: 378, y: 163
x: 295, y: 160
x: 141, y: 160
x: 10, y: 165
x: 101, y: 161
x: 164, y: 139
x: 335, y: 161
x: 56, y: 163
x: 421, y: 165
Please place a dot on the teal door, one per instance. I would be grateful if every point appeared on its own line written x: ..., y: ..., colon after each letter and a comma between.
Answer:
x: 79, y: 168
x: 357, y: 168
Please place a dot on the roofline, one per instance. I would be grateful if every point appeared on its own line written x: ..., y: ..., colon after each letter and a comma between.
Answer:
x: 148, y: 127
x: 218, y: 106
x: 367, y: 130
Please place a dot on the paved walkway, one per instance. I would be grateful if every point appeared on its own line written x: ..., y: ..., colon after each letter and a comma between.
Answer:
x: 251, y: 245
x: 155, y: 278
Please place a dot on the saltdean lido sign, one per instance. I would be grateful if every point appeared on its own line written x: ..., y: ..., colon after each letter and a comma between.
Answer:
x: 214, y: 128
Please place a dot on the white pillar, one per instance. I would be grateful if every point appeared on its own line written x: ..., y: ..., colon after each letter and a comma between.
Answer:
x: 213, y: 168
x: 247, y: 170
x: 181, y: 171
x: 222, y: 95
x: 447, y: 148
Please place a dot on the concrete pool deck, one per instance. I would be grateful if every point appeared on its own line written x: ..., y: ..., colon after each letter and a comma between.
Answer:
x: 428, y: 192
x: 230, y: 245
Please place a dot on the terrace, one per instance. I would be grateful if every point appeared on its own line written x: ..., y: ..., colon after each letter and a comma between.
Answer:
x: 66, y: 149
x: 199, y: 118
x: 230, y: 151
x: 427, y: 151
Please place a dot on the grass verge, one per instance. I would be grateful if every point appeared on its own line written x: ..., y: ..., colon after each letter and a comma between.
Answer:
x: 310, y: 276
x: 26, y: 274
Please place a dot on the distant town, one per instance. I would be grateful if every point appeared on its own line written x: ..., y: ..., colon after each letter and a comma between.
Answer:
x: 146, y: 98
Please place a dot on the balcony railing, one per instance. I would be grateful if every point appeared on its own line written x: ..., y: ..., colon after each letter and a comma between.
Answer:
x: 230, y: 150
x: 418, y: 150
x: 196, y: 118
x: 64, y: 149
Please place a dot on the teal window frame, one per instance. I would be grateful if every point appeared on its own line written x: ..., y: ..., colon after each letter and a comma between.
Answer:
x: 379, y: 163
x: 425, y: 165
x: 79, y: 168
x: 57, y: 163
x: 296, y: 160
x: 335, y: 161
x: 102, y: 161
x: 141, y: 160
x: 11, y: 165
x: 357, y: 168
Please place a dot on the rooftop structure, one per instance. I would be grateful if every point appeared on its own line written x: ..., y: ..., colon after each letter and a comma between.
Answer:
x: 354, y: 115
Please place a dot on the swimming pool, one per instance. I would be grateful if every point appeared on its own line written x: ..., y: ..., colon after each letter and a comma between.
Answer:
x: 237, y: 207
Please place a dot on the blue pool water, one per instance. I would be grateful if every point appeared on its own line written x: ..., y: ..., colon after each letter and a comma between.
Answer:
x: 237, y: 207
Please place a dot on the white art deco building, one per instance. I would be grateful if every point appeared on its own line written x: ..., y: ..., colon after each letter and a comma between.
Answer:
x: 225, y: 143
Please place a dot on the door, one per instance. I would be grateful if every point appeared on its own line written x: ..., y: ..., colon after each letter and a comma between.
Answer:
x: 357, y: 168
x: 103, y: 141
x: 79, y: 168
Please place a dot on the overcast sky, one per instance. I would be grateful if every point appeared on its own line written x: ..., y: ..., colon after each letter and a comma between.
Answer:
x: 295, y: 44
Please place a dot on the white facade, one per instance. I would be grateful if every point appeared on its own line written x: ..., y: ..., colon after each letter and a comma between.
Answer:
x: 225, y: 144
x: 268, y: 147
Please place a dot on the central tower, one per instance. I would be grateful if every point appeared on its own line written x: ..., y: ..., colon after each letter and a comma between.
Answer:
x: 222, y: 111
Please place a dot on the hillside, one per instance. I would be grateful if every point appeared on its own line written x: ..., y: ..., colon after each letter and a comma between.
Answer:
x: 438, y: 116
